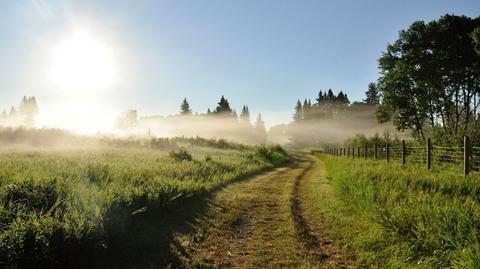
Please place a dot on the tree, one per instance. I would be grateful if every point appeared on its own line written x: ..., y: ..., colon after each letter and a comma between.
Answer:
x: 13, y: 112
x: 307, y: 109
x: 476, y: 39
x: 330, y: 96
x: 245, y: 114
x: 127, y: 121
x: 223, y: 107
x: 372, y: 97
x: 185, y: 108
x: 29, y: 110
x: 260, y: 129
x: 298, y: 116
x: 430, y: 77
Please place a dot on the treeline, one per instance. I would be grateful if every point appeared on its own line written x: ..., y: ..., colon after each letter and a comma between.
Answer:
x: 429, y: 86
x: 221, y: 122
x: 23, y: 115
x: 328, y: 105
x: 331, y: 118
x: 430, y: 80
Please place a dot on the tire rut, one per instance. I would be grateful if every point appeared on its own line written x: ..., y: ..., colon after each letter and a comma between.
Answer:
x: 314, y: 241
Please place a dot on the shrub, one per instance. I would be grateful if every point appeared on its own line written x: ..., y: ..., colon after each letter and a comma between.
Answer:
x: 181, y: 155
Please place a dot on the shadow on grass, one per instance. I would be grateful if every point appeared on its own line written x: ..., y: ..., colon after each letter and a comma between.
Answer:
x: 145, y: 239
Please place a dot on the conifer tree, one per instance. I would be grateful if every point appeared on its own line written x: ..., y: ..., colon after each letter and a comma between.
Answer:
x: 245, y: 114
x: 298, y: 116
x: 13, y: 112
x: 223, y: 106
x: 306, y: 109
x: 260, y: 129
x: 372, y: 95
x: 185, y: 107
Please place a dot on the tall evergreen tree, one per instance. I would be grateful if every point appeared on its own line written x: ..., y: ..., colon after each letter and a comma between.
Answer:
x: 330, y: 96
x: 185, y: 107
x: 260, y: 129
x: 223, y: 106
x: 320, y: 98
x: 13, y: 112
x: 307, y: 107
x: 372, y: 97
x: 245, y: 114
x: 298, y: 116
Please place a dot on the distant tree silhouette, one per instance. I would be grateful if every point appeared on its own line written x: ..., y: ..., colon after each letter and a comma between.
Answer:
x: 260, y: 129
x: 298, y: 115
x: 307, y: 109
x: 29, y: 110
x: 128, y: 120
x: 223, y: 108
x: 245, y: 114
x: 372, y: 95
x: 185, y: 108
x: 13, y: 112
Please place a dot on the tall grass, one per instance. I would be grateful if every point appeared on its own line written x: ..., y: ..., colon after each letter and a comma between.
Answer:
x: 417, y: 218
x: 74, y: 208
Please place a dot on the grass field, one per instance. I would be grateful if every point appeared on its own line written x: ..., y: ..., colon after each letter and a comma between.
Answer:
x: 394, y: 217
x: 115, y: 204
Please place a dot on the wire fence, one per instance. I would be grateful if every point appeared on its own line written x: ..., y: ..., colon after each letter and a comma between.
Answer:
x: 466, y: 157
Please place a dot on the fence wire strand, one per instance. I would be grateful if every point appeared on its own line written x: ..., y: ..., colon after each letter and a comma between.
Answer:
x: 441, y: 156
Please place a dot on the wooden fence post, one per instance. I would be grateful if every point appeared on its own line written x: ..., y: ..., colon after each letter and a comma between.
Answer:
x: 376, y: 150
x: 466, y: 155
x: 429, y: 154
x: 365, y: 152
x: 348, y: 154
x: 404, y: 152
x: 358, y: 152
x: 353, y: 153
x: 388, y: 152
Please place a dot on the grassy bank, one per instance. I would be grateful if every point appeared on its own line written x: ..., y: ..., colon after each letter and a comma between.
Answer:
x: 114, y: 205
x: 394, y: 217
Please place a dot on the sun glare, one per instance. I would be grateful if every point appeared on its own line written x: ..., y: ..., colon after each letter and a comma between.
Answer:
x: 83, y: 64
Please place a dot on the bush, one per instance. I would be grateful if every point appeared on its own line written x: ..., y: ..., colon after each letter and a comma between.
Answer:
x: 274, y: 154
x: 181, y: 155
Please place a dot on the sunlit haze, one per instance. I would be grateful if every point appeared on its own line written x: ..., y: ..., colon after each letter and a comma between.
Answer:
x: 86, y: 62
x: 83, y: 65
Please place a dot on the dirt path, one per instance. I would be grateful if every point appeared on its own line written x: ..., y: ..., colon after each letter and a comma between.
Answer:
x: 260, y: 223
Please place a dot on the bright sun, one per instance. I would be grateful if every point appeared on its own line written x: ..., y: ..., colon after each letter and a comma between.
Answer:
x: 83, y: 64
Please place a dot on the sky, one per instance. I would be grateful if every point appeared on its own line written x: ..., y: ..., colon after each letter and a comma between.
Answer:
x: 262, y: 53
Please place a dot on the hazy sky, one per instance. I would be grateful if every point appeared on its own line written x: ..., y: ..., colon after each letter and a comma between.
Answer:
x: 265, y: 54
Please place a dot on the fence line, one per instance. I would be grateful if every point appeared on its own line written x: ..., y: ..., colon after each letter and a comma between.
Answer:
x: 428, y: 155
